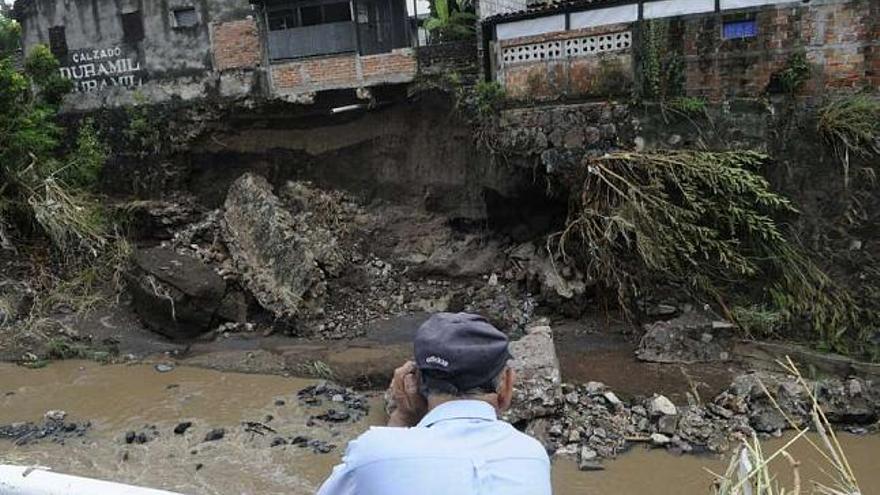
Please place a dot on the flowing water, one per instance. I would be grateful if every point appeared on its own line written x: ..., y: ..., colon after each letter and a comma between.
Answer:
x: 120, y: 398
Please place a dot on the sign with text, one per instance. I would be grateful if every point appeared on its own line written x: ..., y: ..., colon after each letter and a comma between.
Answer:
x: 95, y: 69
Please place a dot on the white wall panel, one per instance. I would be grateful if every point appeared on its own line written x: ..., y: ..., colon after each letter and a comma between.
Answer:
x: 672, y: 8
x: 739, y: 4
x: 531, y: 27
x: 602, y: 17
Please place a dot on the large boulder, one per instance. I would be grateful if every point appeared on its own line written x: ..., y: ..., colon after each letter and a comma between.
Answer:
x: 180, y: 296
x: 16, y: 299
x: 278, y: 254
x: 538, y: 386
x: 690, y: 338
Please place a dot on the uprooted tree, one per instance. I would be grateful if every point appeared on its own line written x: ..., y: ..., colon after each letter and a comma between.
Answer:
x: 707, y: 220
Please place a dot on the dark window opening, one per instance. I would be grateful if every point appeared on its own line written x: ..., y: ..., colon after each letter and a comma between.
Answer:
x: 58, y: 42
x: 337, y: 12
x: 282, y: 19
x: 311, y: 15
x: 132, y: 27
x: 185, y: 17
x: 734, y: 30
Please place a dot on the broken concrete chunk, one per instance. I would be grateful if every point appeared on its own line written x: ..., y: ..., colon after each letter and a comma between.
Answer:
x: 280, y: 256
x: 538, y: 388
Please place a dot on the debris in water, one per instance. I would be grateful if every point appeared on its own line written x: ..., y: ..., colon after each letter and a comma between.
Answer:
x: 215, y: 434
x: 181, y: 428
x: 164, y: 367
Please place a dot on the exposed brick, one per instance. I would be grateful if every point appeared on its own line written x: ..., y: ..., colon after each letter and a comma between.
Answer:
x: 236, y: 44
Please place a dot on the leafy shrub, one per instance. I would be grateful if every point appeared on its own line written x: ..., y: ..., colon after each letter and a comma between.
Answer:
x: 451, y: 21
x: 795, y: 74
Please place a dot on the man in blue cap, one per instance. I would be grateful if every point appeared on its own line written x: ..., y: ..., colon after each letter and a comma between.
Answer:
x: 445, y: 437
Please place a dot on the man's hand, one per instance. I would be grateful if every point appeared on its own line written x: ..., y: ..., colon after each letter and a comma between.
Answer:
x: 411, y: 405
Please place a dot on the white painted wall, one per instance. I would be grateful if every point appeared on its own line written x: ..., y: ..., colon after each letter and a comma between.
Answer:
x: 531, y: 27
x: 740, y: 4
x: 602, y: 17
x: 672, y: 8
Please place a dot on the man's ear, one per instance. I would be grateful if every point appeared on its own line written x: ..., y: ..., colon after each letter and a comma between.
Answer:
x: 505, y: 389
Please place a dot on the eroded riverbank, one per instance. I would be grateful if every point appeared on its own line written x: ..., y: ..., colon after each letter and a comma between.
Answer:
x: 121, y: 398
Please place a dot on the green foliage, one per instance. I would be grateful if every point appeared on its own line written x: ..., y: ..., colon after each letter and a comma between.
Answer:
x: 851, y: 125
x: 87, y: 158
x: 451, y: 21
x: 687, y: 105
x: 661, y: 75
x: 42, y: 67
x: 38, y: 184
x: 10, y: 35
x: 704, y: 219
x: 759, y: 320
x: 489, y: 96
x: 795, y: 74
x: 143, y: 133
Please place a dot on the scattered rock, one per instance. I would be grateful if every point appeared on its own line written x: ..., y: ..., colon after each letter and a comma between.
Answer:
x: 662, y: 406
x: 215, y: 434
x: 55, y: 415
x: 181, y: 428
x: 690, y: 338
x: 53, y: 430
x: 659, y: 439
x: 164, y: 367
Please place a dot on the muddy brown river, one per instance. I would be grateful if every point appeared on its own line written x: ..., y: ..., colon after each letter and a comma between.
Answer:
x: 120, y: 398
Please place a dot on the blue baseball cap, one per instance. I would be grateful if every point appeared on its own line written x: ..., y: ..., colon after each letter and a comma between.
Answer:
x: 458, y: 352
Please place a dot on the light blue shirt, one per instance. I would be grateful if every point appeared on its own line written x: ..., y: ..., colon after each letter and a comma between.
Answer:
x: 459, y: 448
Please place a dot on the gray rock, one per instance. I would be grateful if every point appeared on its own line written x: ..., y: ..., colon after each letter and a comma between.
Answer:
x: 659, y: 439
x: 180, y: 296
x: 662, y: 406
x: 280, y: 256
x: 690, y: 338
x: 594, y: 388
x: 667, y: 424
x: 612, y: 399
x: 538, y: 390
x: 16, y: 300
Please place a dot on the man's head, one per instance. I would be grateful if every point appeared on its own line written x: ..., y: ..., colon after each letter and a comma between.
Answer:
x: 461, y: 355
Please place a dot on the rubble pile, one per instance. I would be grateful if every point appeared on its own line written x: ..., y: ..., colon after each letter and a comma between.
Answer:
x: 595, y: 424
x: 319, y: 263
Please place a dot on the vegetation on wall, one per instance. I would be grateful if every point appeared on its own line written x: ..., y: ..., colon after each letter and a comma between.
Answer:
x: 795, y: 74
x: 661, y: 68
x: 851, y: 127
x: 706, y: 220
x: 451, y: 20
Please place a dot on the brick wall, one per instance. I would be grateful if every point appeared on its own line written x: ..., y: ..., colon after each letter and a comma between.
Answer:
x: 236, y: 45
x: 840, y: 38
x: 344, y: 71
x: 601, y: 74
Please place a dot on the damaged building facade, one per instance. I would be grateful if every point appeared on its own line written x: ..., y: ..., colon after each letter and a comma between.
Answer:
x: 715, y: 49
x: 122, y: 52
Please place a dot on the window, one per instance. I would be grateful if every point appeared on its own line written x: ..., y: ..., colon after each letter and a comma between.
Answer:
x: 282, y: 19
x: 185, y: 17
x: 337, y: 12
x: 311, y: 15
x: 734, y: 30
x: 132, y: 27
x: 58, y: 42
